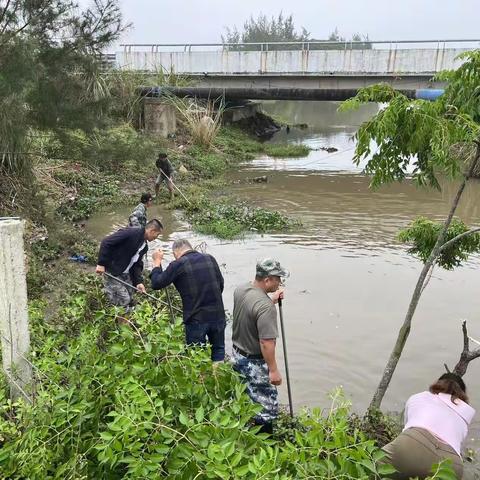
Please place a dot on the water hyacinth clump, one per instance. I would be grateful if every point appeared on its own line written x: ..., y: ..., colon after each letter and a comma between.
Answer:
x: 229, y: 220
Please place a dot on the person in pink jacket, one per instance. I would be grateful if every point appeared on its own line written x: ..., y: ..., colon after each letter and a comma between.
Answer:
x: 436, y: 424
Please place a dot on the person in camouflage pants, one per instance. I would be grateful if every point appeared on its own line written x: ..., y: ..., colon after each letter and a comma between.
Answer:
x: 259, y: 388
x: 138, y: 217
x: 254, y: 334
x: 117, y: 293
x: 121, y: 257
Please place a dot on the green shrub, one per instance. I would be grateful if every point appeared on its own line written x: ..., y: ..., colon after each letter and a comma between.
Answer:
x: 221, y: 228
x: 288, y: 150
x: 41, y: 253
x: 91, y: 194
x: 239, y: 145
x: 204, y: 163
x: 225, y: 219
x: 110, y: 149
x: 136, y: 403
x: 37, y: 276
x: 378, y: 426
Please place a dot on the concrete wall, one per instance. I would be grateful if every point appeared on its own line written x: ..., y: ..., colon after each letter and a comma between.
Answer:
x: 160, y: 118
x: 235, y: 114
x: 305, y: 62
x: 15, y: 337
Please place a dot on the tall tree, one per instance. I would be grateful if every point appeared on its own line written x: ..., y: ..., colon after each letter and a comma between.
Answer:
x: 435, y: 138
x: 356, y: 42
x: 49, y: 65
x: 263, y: 29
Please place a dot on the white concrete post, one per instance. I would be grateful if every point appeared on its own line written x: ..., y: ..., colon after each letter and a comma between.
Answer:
x: 15, y: 337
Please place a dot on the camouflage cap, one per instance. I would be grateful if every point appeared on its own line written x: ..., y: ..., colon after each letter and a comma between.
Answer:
x: 271, y: 267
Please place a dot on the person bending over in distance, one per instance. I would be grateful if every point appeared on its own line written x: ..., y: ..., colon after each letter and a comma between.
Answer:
x: 121, y: 255
x: 436, y: 424
x: 254, y: 337
x: 199, y: 282
x: 138, y: 217
x: 165, y: 173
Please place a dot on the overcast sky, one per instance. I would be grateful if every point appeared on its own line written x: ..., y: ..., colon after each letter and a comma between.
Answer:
x: 198, y: 21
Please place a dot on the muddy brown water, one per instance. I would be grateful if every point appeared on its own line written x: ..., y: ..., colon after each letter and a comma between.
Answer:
x: 351, y: 280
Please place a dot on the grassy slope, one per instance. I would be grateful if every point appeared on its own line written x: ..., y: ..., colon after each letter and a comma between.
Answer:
x: 67, y: 190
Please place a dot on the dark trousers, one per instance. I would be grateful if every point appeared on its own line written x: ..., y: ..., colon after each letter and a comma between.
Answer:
x: 197, y: 333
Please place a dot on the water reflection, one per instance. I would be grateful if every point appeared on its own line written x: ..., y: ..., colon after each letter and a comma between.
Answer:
x: 324, y: 120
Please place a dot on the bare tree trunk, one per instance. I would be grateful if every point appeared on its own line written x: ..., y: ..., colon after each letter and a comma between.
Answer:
x: 467, y: 355
x: 405, y: 329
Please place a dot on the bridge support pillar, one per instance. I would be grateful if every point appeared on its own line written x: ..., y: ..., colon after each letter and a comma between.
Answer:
x: 160, y: 117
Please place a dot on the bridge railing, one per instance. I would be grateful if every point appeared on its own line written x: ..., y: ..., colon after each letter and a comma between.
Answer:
x: 304, y: 46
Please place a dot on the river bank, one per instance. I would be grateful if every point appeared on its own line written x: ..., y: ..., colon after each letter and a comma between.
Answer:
x: 76, y: 348
x: 135, y: 403
x: 66, y: 191
x: 341, y: 259
x: 350, y: 276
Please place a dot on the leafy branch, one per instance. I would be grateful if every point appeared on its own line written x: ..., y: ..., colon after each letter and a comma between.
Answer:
x: 460, y: 241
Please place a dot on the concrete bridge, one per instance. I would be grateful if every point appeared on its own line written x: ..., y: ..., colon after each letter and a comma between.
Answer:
x: 307, y: 65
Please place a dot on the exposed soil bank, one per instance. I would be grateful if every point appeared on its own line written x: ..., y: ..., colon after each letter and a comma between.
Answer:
x: 260, y: 125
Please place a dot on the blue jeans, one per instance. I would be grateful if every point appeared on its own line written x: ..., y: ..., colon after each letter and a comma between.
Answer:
x: 197, y: 333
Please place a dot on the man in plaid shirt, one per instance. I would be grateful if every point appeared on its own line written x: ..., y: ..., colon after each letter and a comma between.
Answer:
x: 197, y: 278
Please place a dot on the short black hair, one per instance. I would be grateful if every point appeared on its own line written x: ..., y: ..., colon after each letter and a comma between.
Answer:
x: 146, y: 197
x: 155, y: 225
x: 162, y: 155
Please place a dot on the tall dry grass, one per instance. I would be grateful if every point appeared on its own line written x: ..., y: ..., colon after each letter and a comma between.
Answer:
x: 202, y: 119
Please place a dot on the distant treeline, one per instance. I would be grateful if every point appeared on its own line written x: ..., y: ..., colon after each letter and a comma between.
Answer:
x: 282, y: 29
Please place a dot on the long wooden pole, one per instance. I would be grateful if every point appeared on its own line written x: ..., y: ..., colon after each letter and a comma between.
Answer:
x: 284, y: 343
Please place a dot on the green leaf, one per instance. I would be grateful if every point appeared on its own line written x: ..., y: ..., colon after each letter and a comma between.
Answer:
x: 183, y: 419
x: 386, y: 469
x: 117, y: 348
x: 243, y: 470
x: 199, y: 414
x: 107, y: 436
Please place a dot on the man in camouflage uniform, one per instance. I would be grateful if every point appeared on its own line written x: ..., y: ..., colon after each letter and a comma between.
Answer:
x: 138, y: 218
x: 254, y: 337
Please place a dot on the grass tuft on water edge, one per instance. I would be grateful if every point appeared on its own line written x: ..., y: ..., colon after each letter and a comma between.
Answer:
x: 240, y: 145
